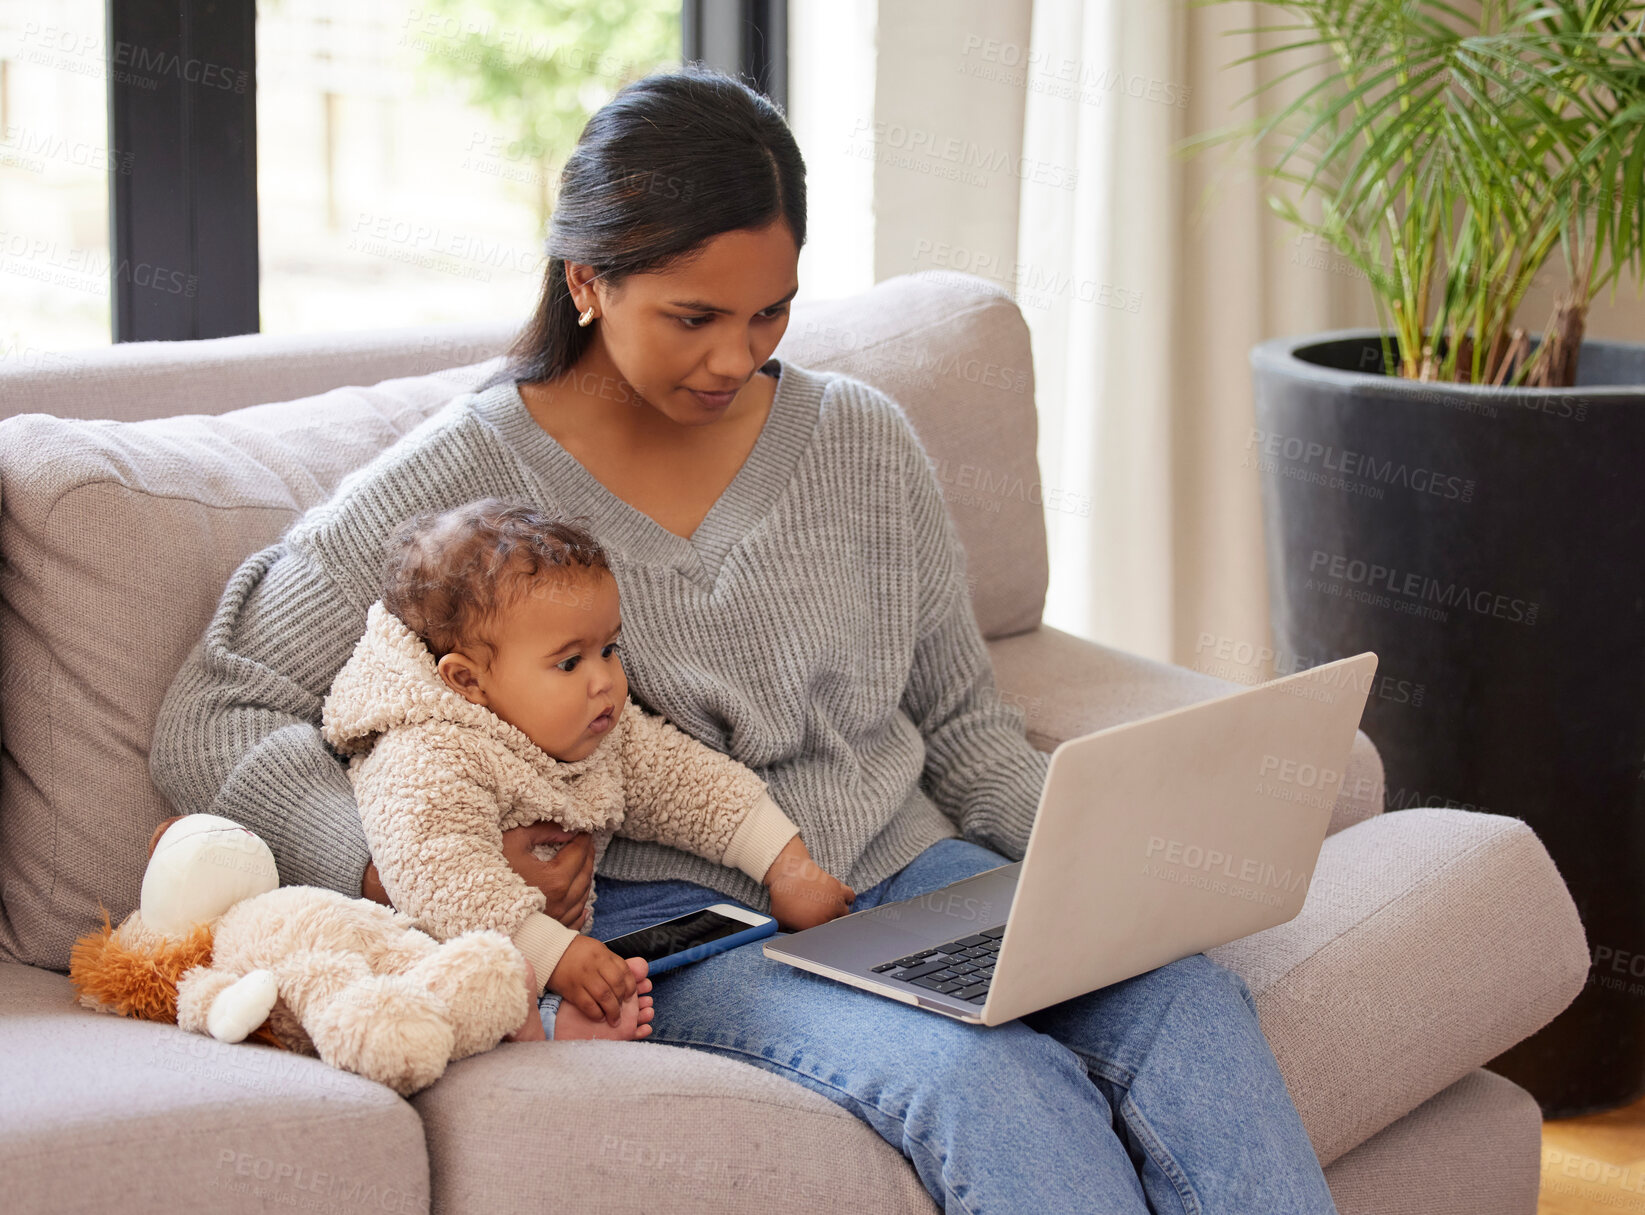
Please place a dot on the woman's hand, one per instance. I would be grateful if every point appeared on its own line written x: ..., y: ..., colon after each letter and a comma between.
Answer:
x: 565, y: 880
x: 371, y: 886
x: 803, y: 893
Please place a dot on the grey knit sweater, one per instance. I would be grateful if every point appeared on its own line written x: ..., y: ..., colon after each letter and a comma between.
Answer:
x: 817, y: 627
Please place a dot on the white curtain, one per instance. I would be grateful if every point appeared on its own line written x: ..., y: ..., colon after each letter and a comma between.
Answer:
x: 1143, y: 307
x: 1142, y: 374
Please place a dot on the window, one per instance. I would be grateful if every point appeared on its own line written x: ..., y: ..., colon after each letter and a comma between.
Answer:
x: 174, y: 169
x: 407, y: 150
x: 55, y: 164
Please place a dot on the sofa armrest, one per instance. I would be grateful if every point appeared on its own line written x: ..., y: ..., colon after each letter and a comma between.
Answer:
x: 1068, y: 686
x: 1430, y: 942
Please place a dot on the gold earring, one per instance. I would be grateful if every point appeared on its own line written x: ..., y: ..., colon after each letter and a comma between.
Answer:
x: 587, y: 316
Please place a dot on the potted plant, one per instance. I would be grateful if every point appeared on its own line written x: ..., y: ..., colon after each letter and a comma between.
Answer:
x: 1451, y: 491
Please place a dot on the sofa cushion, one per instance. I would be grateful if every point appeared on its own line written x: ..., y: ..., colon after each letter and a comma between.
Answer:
x: 117, y: 538
x: 648, y: 1127
x: 106, y: 1114
x: 1472, y: 1149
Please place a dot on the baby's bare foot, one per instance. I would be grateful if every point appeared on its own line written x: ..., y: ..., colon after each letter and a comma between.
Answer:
x: 636, y: 1012
x: 633, y: 1021
x: 531, y: 1029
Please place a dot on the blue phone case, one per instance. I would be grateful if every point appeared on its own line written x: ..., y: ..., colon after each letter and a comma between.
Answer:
x: 697, y: 953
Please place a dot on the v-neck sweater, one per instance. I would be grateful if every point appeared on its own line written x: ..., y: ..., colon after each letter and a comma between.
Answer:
x: 764, y: 474
x: 816, y: 626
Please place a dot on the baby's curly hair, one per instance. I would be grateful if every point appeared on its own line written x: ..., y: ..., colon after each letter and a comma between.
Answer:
x: 450, y: 575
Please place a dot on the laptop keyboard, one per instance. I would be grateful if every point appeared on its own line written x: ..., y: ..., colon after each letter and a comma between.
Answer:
x: 962, y: 968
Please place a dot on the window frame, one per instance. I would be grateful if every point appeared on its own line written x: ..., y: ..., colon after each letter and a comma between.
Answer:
x: 746, y: 38
x: 183, y: 251
x: 183, y: 258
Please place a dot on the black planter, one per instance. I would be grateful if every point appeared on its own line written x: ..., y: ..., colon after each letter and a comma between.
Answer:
x: 1489, y: 545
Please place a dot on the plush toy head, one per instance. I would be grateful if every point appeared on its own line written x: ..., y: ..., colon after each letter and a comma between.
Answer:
x: 201, y: 866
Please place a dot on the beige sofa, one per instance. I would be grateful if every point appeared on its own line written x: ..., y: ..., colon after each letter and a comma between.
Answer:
x: 1431, y: 939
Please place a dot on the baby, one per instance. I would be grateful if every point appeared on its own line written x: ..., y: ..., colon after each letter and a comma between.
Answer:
x: 488, y: 693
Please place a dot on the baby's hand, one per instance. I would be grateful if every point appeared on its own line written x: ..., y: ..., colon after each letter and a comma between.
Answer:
x: 803, y: 893
x: 593, y: 979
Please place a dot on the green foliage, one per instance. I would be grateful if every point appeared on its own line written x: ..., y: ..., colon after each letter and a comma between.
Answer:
x: 1448, y: 150
x: 542, y: 67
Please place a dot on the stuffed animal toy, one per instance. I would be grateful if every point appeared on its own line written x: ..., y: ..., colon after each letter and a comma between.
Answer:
x: 219, y: 947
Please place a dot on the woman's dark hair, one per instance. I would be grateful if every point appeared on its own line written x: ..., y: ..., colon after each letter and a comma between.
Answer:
x: 670, y: 162
x: 449, y: 575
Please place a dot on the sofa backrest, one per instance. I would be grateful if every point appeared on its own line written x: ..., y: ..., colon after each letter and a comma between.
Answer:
x: 117, y: 536
x: 135, y: 381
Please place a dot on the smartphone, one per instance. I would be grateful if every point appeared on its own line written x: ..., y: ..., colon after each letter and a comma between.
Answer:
x: 693, y: 936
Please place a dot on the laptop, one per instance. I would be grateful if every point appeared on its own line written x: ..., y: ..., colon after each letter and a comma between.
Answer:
x: 1154, y: 840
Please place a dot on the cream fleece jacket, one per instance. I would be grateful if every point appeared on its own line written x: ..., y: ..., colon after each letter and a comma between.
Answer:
x: 438, y: 780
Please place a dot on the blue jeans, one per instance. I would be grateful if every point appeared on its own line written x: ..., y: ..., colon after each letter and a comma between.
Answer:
x: 1158, y: 1093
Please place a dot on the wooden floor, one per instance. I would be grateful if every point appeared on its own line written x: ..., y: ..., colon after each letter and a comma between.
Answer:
x: 1594, y: 1165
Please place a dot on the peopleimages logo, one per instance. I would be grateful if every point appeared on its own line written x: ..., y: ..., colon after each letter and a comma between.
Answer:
x: 1360, y: 465
x: 1211, y: 860
x: 1421, y: 588
x: 1292, y: 772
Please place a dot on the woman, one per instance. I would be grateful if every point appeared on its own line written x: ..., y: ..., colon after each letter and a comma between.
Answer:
x: 794, y: 595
